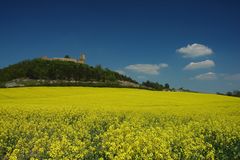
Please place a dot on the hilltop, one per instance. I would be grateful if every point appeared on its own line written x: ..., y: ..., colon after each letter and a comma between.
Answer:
x: 70, y: 72
x: 41, y: 72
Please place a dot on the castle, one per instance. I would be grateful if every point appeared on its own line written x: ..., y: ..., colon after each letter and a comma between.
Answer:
x: 81, y: 60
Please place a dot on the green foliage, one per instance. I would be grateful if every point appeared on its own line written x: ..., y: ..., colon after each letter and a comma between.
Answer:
x: 156, y: 85
x: 67, y: 56
x: 167, y: 86
x: 235, y: 93
x: 59, y: 70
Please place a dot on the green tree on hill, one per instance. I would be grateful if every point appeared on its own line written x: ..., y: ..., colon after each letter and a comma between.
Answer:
x: 59, y: 70
x: 156, y: 85
x: 67, y: 56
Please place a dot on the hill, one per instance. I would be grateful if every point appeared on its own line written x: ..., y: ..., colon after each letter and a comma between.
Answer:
x: 117, y: 123
x: 40, y: 72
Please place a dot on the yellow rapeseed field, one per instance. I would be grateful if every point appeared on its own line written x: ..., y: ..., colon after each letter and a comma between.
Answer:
x: 116, y: 123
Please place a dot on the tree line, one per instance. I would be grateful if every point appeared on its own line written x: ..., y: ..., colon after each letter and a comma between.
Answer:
x: 156, y: 85
x: 65, y: 73
x: 235, y: 93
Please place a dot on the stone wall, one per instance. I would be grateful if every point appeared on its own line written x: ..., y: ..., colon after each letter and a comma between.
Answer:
x: 64, y: 59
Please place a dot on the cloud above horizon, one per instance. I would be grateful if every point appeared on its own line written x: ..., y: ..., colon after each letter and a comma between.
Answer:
x: 151, y: 69
x: 233, y: 77
x: 220, y: 76
x: 195, y: 50
x: 199, y: 65
x: 206, y: 76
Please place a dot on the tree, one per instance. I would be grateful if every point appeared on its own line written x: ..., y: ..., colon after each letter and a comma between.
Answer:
x: 166, y: 86
x: 236, y: 93
x: 59, y: 70
x: 67, y: 56
x: 153, y: 85
x: 229, y: 93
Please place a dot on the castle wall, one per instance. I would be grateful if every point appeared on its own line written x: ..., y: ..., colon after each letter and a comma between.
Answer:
x: 66, y: 59
x: 81, y: 61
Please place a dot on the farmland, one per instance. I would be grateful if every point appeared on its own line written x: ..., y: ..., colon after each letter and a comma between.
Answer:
x: 117, y: 123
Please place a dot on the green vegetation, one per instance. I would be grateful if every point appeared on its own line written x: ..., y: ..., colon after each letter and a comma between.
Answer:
x: 67, y: 56
x: 235, y: 93
x: 156, y: 86
x: 39, y: 69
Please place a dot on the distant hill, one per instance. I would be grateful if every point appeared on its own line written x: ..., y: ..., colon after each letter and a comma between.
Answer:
x: 61, y: 73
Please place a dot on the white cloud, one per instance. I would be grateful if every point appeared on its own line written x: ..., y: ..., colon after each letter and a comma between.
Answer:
x: 152, y: 69
x: 233, y: 77
x: 195, y: 50
x: 200, y: 65
x: 206, y: 76
x: 120, y: 71
x: 220, y: 76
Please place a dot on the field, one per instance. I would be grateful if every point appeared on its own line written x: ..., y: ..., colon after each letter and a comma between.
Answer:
x: 108, y: 123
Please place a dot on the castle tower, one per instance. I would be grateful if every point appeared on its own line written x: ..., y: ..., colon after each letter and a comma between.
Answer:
x: 82, y: 58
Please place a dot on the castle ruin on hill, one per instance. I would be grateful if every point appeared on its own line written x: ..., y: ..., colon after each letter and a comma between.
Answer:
x: 81, y: 60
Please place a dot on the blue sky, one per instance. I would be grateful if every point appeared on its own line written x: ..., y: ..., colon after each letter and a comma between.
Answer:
x: 190, y: 44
